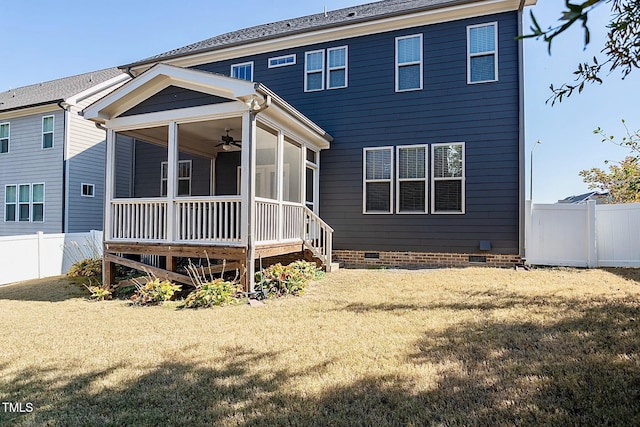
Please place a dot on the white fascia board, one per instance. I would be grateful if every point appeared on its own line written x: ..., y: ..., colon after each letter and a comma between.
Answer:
x: 47, y: 108
x: 160, y: 77
x: 428, y: 17
x: 279, y: 118
x: 114, y: 81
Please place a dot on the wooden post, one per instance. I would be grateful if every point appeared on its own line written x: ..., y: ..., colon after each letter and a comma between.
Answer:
x: 170, y: 263
x: 108, y: 272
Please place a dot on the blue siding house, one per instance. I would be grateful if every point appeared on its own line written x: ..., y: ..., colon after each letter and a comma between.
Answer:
x: 389, y: 133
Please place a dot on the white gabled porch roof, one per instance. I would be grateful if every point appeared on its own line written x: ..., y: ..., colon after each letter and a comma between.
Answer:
x: 246, y: 96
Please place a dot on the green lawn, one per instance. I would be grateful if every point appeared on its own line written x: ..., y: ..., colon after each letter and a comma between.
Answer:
x: 362, y: 347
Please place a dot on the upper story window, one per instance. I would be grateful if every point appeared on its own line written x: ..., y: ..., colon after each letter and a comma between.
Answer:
x: 282, y: 61
x: 409, y: 63
x: 482, y: 53
x: 242, y: 71
x: 447, y: 178
x: 378, y: 175
x: 314, y: 71
x: 47, y: 131
x: 337, y: 67
x: 4, y: 137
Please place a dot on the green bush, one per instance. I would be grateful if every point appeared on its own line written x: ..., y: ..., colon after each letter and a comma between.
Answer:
x: 154, y: 292
x: 87, y: 270
x: 216, y: 293
x: 278, y: 280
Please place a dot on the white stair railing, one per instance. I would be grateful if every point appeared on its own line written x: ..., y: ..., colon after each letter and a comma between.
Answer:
x: 317, y: 236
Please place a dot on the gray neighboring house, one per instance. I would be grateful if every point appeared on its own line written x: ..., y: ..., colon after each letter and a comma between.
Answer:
x: 51, y: 159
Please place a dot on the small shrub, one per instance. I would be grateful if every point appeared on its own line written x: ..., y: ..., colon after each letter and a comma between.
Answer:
x: 216, y: 293
x: 99, y: 293
x: 154, y: 292
x: 278, y: 280
x: 87, y: 270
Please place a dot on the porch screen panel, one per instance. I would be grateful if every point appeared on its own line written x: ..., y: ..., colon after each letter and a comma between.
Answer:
x: 266, y: 149
x: 291, y: 172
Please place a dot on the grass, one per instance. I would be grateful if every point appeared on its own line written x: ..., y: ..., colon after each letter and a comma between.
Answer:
x: 361, y: 347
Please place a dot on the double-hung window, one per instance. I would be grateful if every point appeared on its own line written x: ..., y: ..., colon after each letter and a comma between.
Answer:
x: 411, y: 187
x: 337, y: 67
x: 378, y: 177
x: 24, y: 203
x: 243, y: 71
x: 482, y: 53
x: 447, y: 178
x: 409, y: 63
x: 10, y: 202
x: 184, y: 178
x: 314, y: 71
x: 47, y: 132
x: 4, y: 137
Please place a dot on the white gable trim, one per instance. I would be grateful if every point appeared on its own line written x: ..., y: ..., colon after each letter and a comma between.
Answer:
x: 160, y: 77
x: 114, y: 81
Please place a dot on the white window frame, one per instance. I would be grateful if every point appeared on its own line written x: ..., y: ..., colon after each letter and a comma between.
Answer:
x: 404, y: 64
x: 33, y: 203
x: 486, y: 53
x: 365, y: 181
x: 280, y: 58
x: 20, y: 203
x: 15, y: 203
x: 425, y: 179
x: 344, y: 67
x: 52, y: 131
x: 162, y: 179
x: 315, y: 71
x: 461, y: 178
x: 242, y: 64
x: 90, y: 193
x: 7, y: 138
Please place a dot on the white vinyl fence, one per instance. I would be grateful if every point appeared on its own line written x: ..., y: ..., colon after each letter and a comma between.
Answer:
x: 44, y: 255
x: 586, y: 235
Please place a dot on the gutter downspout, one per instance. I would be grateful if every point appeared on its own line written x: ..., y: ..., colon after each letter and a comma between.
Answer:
x: 254, y: 109
x: 65, y: 166
x: 521, y: 137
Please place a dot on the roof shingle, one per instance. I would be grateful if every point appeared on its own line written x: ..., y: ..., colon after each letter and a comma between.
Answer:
x: 349, y: 15
x: 54, y: 90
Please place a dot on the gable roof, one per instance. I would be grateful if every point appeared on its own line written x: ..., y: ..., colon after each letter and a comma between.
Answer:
x: 55, y: 91
x: 320, y: 21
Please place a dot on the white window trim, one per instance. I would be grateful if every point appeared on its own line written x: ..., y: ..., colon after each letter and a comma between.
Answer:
x: 93, y: 189
x: 8, y: 138
x: 420, y: 62
x: 242, y: 64
x: 286, y: 64
x: 486, y: 53
x: 177, y: 178
x: 52, y: 132
x: 321, y: 70
x: 365, y: 181
x: 31, y: 202
x: 22, y: 203
x: 463, y: 193
x: 425, y: 179
x: 344, y: 67
x: 14, y: 203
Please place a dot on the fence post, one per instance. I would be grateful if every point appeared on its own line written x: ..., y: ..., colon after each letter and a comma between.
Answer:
x: 40, y: 238
x: 592, y: 245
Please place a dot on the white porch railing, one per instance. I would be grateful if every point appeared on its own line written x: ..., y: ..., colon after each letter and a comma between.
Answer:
x: 138, y: 219
x: 208, y: 219
x: 317, y: 236
x: 217, y: 220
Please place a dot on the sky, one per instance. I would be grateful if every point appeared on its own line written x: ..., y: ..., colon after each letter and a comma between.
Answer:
x: 42, y: 43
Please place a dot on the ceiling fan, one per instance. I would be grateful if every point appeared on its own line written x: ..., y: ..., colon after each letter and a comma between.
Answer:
x: 227, y: 142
